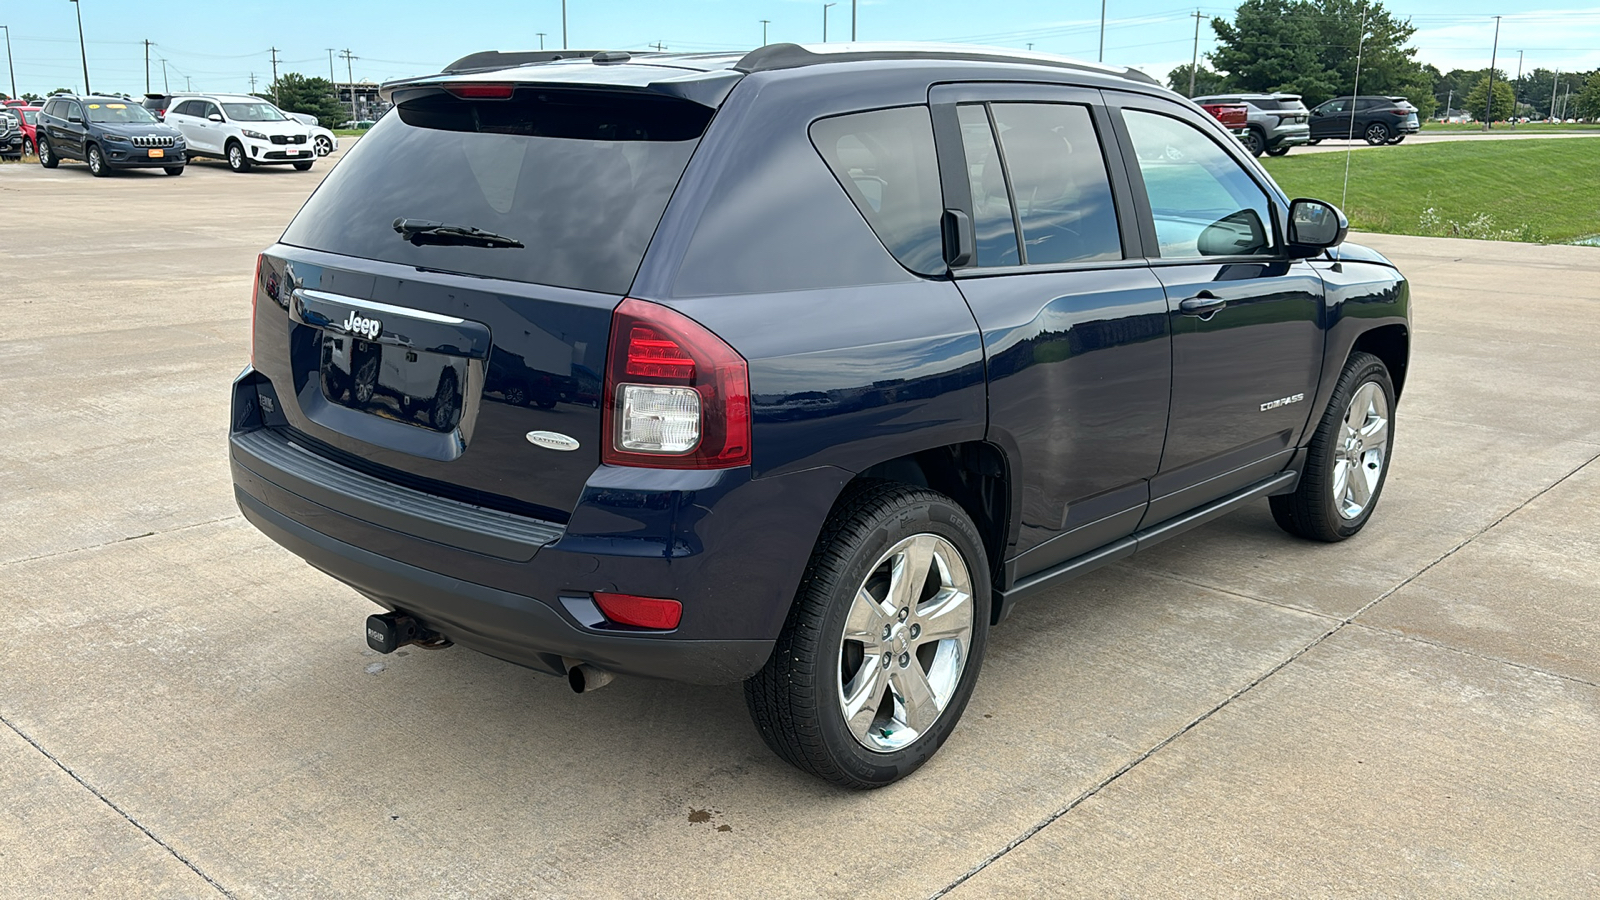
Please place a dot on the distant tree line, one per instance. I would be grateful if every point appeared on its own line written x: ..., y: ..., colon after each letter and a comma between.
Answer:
x: 1310, y: 48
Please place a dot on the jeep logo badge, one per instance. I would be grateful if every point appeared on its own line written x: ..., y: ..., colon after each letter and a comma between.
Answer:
x: 551, y: 440
x: 360, y: 325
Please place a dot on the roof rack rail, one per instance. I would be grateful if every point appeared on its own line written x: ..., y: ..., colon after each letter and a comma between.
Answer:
x: 792, y: 56
x: 488, y: 60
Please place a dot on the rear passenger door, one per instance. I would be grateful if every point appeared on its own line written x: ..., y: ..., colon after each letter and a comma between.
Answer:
x: 1074, y: 323
x: 1245, y: 318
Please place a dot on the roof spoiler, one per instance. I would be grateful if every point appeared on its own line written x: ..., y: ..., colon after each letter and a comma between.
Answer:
x: 793, y: 56
x: 489, y: 60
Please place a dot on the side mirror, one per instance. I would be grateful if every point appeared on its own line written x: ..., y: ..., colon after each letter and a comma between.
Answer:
x: 75, y: 119
x: 215, y: 117
x: 1319, y: 111
x: 1315, y: 225
x: 959, y: 245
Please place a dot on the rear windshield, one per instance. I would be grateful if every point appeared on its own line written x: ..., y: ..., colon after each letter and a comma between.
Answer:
x: 579, y: 178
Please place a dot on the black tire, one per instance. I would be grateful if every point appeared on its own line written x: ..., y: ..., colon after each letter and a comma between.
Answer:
x: 1312, y: 511
x: 1377, y: 134
x: 795, y: 698
x: 98, y: 167
x: 47, y: 154
x: 1313, y: 142
x: 444, y: 411
x: 173, y: 170
x: 1255, y: 141
x: 303, y: 166
x: 1278, y: 151
x: 238, y: 160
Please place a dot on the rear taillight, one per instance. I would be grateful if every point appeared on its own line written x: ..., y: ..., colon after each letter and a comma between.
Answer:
x: 676, y: 395
x: 1401, y: 112
x: 255, y: 291
x: 641, y: 612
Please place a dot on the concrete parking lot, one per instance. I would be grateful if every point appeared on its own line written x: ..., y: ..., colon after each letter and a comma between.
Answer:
x: 187, y: 710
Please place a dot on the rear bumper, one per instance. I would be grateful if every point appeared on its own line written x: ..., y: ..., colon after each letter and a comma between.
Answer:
x: 732, y: 549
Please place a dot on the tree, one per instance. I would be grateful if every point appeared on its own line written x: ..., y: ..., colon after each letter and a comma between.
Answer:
x: 31, y: 98
x: 1587, y: 103
x: 1478, y: 101
x: 1205, y: 81
x: 297, y: 93
x: 1310, y: 47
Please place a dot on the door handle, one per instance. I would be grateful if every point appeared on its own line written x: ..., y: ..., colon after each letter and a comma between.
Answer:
x: 1202, y: 304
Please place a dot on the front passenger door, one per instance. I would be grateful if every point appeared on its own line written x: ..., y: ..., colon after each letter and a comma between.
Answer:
x: 1246, y: 319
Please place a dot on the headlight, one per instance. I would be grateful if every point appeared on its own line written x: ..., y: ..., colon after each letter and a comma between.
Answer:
x: 115, y: 137
x: 256, y: 135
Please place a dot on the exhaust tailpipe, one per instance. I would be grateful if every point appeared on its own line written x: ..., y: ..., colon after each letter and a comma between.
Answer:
x: 584, y: 678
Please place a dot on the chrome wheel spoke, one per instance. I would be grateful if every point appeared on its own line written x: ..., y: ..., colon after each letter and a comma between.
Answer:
x: 910, y: 572
x: 1375, y: 434
x: 915, y: 703
x: 867, y: 619
x: 863, y: 697
x: 947, y: 616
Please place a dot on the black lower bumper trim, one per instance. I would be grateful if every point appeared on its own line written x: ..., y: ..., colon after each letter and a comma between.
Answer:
x: 509, y: 626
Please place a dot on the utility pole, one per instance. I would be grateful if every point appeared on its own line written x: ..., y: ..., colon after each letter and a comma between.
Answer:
x: 1103, y: 30
x: 351, y: 74
x: 332, y: 79
x: 658, y: 46
x: 147, y: 66
x: 541, y: 40
x: 252, y: 82
x: 82, y: 47
x: 852, y: 21
x: 1030, y: 46
x: 164, y: 85
x: 764, y: 24
x: 188, y: 84
x: 9, y: 64
x: 1488, y: 113
x: 1555, y: 86
x: 825, y: 20
x: 274, y: 76
x: 1447, y: 98
x: 1515, y: 87
x: 563, y: 24
x: 1195, y: 63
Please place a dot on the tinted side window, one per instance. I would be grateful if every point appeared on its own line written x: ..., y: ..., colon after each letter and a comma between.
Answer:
x: 992, y: 223
x: 204, y: 109
x: 1059, y: 186
x: 186, y: 108
x: 885, y: 161
x: 1333, y: 106
x: 1203, y: 202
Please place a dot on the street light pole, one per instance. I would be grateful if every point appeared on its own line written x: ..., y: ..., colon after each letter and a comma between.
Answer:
x: 541, y: 40
x: 1555, y: 87
x: 1103, y: 31
x: 9, y: 64
x: 825, y: 20
x: 82, y: 47
x: 852, y: 21
x: 563, y: 24
x: 1488, y: 110
x: 764, y: 24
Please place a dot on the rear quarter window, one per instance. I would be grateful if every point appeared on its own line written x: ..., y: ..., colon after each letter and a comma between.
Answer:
x: 885, y: 161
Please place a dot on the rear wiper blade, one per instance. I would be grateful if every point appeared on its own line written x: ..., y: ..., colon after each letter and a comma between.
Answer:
x: 420, y: 232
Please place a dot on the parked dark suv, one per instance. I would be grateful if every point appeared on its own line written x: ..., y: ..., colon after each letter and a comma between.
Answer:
x: 888, y: 341
x: 108, y: 133
x: 1377, y: 120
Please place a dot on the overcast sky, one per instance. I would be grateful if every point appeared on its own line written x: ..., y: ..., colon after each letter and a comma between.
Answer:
x: 218, y: 45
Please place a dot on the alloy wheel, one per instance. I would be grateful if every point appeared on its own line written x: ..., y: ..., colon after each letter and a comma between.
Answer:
x: 323, y: 147
x: 906, y: 642
x: 1362, y: 451
x: 1377, y: 134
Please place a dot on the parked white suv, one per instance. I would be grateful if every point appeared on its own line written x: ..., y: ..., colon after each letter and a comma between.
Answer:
x: 241, y: 129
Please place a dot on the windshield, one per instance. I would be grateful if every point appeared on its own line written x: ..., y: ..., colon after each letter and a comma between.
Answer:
x: 119, y: 112
x: 30, y: 116
x: 579, y: 179
x: 252, y: 112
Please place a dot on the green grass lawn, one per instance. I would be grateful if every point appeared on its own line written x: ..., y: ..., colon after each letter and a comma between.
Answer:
x: 1534, y: 191
x: 1503, y: 128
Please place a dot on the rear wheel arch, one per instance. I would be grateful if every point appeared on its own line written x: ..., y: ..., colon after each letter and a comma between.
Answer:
x: 976, y: 475
x: 1390, y: 343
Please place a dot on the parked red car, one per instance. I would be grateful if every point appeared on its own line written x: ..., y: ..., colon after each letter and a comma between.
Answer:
x: 1233, y: 116
x: 30, y: 125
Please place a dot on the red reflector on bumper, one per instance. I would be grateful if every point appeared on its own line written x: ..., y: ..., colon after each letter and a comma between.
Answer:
x: 642, y: 612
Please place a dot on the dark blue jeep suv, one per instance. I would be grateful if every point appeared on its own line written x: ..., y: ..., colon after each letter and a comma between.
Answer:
x: 108, y: 133
x: 882, y: 340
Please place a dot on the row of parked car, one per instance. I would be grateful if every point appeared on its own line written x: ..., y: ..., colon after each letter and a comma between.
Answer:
x: 163, y: 131
x: 1275, y: 123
